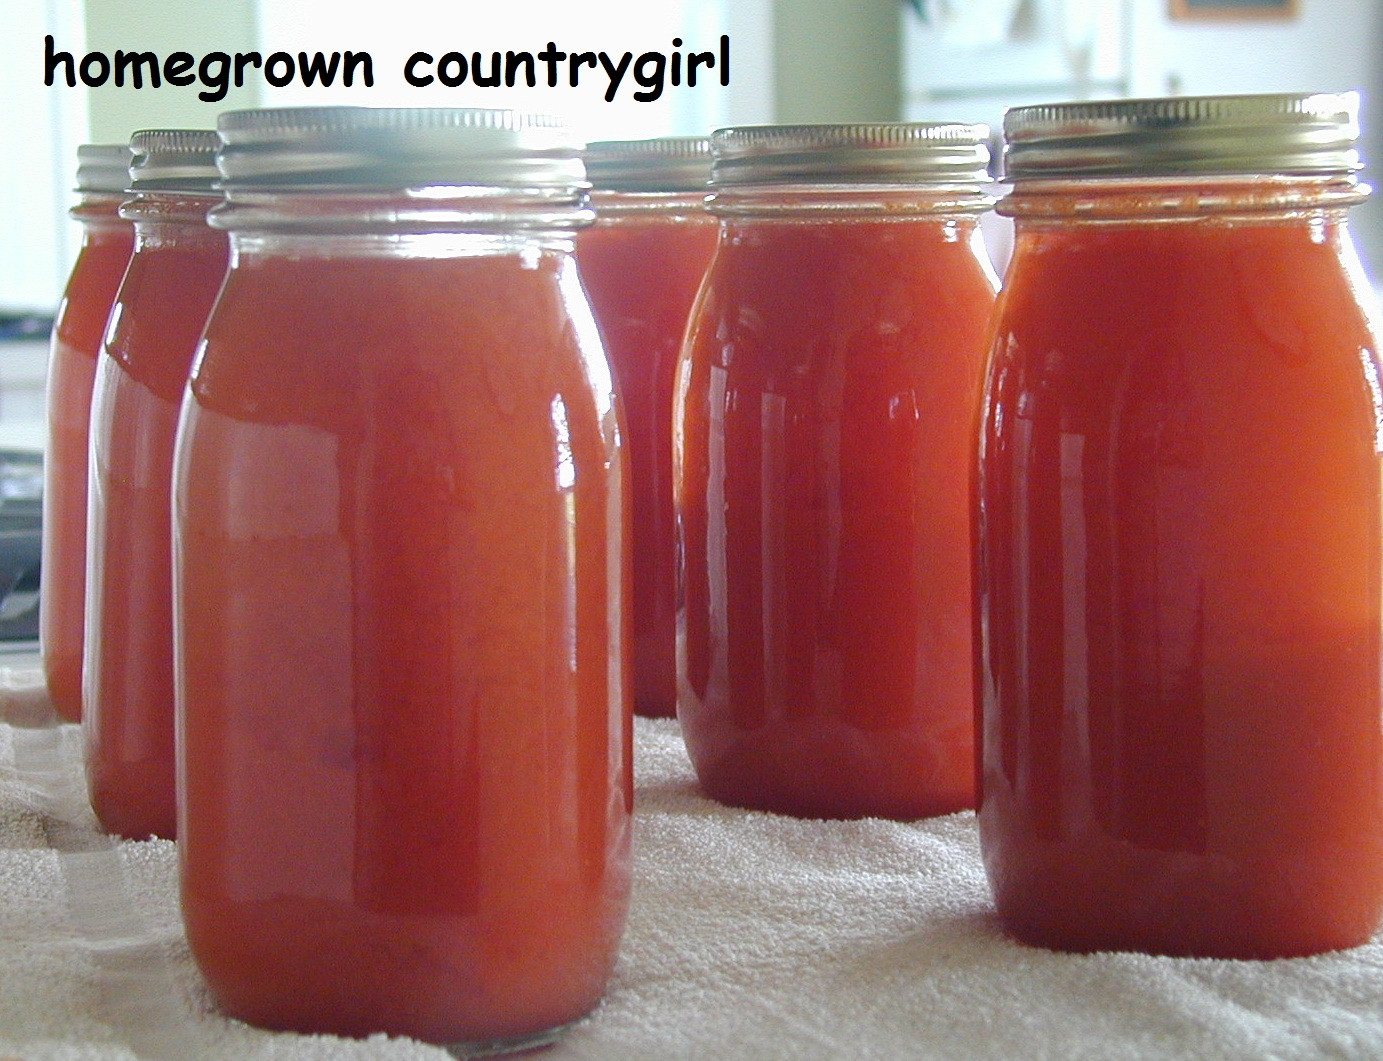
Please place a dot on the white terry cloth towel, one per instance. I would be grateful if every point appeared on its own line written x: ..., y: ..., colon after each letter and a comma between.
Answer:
x: 750, y: 936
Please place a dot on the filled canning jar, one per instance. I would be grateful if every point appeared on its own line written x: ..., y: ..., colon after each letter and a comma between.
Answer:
x: 826, y: 399
x: 404, y: 738
x: 103, y: 174
x: 642, y: 263
x: 127, y: 674
x: 1178, y: 524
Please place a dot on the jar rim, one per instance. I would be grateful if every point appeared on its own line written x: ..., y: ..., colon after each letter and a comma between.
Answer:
x: 1103, y: 198
x: 809, y: 202
x: 414, y: 211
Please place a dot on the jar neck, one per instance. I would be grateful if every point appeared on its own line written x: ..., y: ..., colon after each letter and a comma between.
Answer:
x: 415, y: 211
x: 640, y: 206
x: 836, y: 202
x: 160, y: 214
x: 317, y: 248
x: 1173, y: 199
x: 100, y: 210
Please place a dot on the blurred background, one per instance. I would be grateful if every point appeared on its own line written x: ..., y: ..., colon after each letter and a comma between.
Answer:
x: 792, y: 61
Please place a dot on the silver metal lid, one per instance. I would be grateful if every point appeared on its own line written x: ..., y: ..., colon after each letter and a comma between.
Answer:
x: 174, y: 160
x: 1187, y: 135
x: 665, y: 164
x: 893, y: 153
x: 103, y: 168
x: 404, y: 147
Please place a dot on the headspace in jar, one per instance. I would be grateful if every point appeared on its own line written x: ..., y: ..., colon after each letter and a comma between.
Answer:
x: 642, y: 264
x: 405, y: 773
x: 1178, y: 526
x: 825, y: 408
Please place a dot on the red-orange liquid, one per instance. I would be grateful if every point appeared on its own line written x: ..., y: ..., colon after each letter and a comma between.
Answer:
x: 77, y: 333
x: 832, y: 378
x: 1178, y: 592
x: 405, y: 744
x: 162, y: 305
x: 642, y: 276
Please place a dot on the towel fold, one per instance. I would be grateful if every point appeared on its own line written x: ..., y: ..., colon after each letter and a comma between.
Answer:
x: 750, y: 935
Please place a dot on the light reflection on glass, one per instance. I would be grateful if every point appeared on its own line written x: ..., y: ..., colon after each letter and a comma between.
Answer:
x: 566, y: 467
x: 1375, y: 395
x: 588, y: 339
x: 566, y: 480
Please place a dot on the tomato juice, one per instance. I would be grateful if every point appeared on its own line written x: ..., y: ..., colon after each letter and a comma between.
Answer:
x: 77, y: 333
x: 642, y: 271
x: 828, y: 393
x: 405, y: 745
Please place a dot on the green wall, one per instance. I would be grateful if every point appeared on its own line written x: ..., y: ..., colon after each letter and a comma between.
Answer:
x: 836, y: 61
x: 164, y: 26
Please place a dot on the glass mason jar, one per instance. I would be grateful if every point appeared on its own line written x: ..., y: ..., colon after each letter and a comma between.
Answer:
x: 1178, y: 530
x: 826, y: 401
x: 641, y: 264
x: 160, y: 309
x: 103, y: 174
x: 404, y: 744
